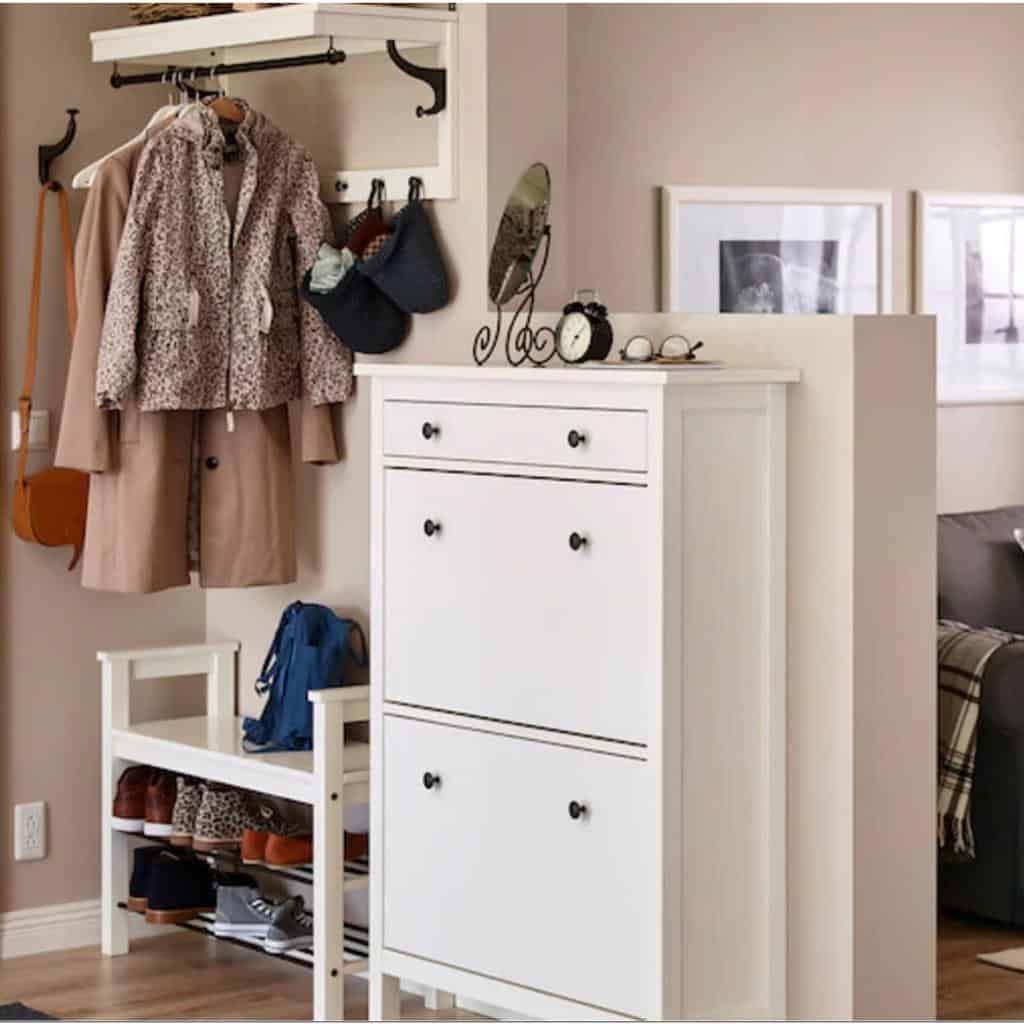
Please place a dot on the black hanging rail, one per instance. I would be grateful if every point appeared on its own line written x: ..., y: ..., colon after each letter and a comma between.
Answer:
x: 331, y: 56
x: 435, y: 78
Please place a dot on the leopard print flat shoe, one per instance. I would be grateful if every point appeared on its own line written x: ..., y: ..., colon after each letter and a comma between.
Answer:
x: 221, y: 819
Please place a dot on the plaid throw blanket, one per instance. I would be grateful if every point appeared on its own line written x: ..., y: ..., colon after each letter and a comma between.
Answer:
x: 963, y: 654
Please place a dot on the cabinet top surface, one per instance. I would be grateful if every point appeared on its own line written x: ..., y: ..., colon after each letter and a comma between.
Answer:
x: 603, y: 373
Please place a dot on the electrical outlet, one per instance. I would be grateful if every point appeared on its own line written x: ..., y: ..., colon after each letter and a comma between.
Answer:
x: 38, y: 430
x: 30, y: 831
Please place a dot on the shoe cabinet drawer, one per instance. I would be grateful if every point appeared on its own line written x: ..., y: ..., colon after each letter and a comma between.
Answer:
x: 518, y: 599
x: 531, y: 435
x: 519, y: 860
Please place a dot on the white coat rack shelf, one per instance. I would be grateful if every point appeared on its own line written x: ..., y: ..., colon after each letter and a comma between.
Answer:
x: 297, y: 30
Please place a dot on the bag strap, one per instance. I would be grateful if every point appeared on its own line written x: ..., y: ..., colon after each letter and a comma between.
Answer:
x: 32, y: 342
x: 362, y: 657
x: 280, y: 650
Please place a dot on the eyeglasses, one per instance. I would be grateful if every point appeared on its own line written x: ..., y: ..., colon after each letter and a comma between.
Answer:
x: 676, y: 348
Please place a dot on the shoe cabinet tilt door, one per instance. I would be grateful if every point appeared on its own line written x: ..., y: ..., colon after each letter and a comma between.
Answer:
x: 578, y: 694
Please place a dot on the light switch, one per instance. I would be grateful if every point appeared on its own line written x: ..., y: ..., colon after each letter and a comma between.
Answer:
x: 38, y: 430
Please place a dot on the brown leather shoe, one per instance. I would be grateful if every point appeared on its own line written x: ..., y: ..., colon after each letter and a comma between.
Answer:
x: 254, y: 845
x: 266, y: 820
x: 291, y: 851
x: 357, y: 845
x: 288, y: 851
x: 129, y: 811
x: 160, y: 796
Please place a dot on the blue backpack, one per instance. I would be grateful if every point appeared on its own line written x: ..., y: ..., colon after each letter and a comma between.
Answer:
x: 309, y: 652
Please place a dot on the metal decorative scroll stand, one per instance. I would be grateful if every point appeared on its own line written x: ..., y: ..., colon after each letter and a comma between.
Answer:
x: 436, y: 78
x: 526, y: 343
x: 49, y: 152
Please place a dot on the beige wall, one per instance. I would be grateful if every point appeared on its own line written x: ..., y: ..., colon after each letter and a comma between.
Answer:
x: 981, y: 456
x: 527, y: 113
x: 894, y: 568
x: 895, y: 97
x: 50, y: 628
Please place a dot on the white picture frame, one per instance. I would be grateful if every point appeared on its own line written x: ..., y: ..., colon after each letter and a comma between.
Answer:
x: 846, y: 231
x: 975, y: 361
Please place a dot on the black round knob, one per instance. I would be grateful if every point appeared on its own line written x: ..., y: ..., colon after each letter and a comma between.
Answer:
x: 430, y: 527
x: 577, y: 541
x: 576, y: 810
x: 430, y: 430
x: 576, y: 438
x: 212, y: 462
x: 430, y: 780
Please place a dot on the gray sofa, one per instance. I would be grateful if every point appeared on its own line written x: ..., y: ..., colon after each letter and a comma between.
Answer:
x: 981, y: 583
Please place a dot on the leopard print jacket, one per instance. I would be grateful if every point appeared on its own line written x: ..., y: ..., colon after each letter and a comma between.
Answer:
x: 200, y: 316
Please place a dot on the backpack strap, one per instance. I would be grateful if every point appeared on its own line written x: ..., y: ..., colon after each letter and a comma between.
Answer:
x: 362, y: 656
x: 275, y: 656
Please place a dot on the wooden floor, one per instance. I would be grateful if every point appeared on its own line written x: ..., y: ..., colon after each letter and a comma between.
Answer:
x: 178, y: 977
x: 967, y: 989
x: 190, y: 977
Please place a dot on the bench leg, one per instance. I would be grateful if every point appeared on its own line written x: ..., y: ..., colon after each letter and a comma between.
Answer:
x: 115, y: 852
x: 328, y: 863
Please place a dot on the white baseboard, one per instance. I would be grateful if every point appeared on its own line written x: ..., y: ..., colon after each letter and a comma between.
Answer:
x: 60, y: 926
x: 45, y: 929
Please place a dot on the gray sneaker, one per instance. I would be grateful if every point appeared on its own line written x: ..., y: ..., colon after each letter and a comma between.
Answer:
x: 242, y: 912
x: 292, y: 927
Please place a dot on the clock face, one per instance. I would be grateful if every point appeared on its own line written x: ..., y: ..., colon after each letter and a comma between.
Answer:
x: 573, y: 337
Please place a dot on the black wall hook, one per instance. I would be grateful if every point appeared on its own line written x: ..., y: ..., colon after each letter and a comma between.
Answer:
x: 49, y: 153
x: 436, y: 78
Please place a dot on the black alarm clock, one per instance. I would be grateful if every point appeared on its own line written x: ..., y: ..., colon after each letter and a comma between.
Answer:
x: 584, y: 332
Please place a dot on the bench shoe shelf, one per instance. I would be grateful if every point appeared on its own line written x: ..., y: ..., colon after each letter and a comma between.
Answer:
x: 333, y: 774
x: 355, y: 942
x: 357, y: 872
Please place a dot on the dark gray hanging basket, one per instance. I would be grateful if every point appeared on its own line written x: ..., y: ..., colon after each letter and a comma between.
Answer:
x: 359, y: 313
x: 409, y: 268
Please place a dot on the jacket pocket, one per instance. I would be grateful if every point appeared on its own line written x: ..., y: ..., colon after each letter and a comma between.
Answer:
x: 279, y: 335
x: 279, y: 309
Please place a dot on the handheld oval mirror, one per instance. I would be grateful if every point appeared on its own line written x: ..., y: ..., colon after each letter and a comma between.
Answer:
x: 519, y: 234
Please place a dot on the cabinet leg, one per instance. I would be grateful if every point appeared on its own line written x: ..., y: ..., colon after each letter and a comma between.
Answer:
x: 385, y: 997
x: 438, y: 999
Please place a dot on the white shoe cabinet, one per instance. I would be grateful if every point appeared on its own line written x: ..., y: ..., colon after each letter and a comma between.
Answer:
x: 578, y: 689
x: 334, y: 773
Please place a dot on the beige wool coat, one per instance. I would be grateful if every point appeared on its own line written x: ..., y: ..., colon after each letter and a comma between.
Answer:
x: 138, y: 521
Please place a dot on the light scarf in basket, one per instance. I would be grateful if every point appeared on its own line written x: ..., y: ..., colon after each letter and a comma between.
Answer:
x: 963, y: 654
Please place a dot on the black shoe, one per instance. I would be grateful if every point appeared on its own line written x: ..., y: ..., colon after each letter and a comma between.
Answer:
x: 138, y: 887
x: 180, y: 888
x: 227, y: 879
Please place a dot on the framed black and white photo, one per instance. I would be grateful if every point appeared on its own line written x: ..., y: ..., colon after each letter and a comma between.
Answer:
x: 779, y: 250
x: 970, y: 276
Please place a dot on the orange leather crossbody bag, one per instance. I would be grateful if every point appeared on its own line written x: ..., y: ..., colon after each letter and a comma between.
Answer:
x: 48, y: 507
